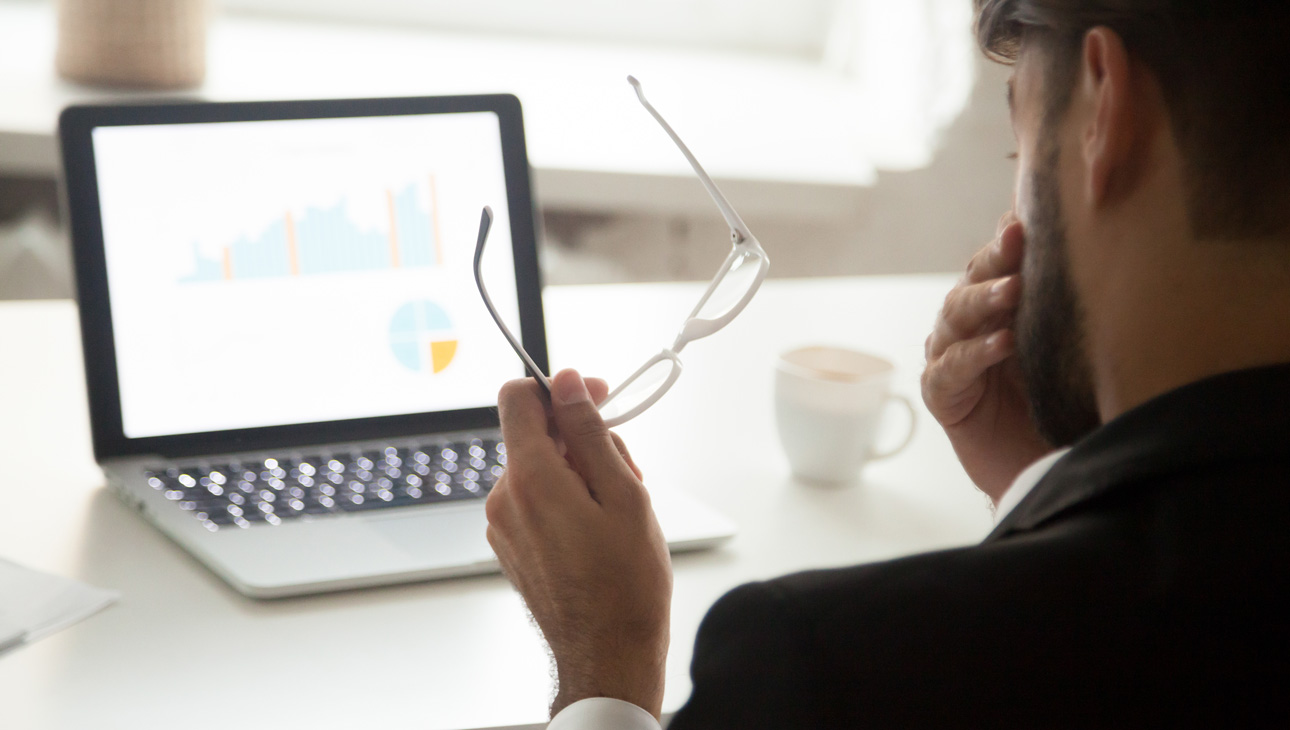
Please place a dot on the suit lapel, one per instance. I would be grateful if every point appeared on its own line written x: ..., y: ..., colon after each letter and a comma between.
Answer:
x: 1235, y: 417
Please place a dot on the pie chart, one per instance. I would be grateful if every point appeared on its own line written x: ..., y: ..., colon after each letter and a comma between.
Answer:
x: 422, y: 337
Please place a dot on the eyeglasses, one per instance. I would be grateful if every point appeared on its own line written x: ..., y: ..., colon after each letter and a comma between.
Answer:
x: 730, y: 291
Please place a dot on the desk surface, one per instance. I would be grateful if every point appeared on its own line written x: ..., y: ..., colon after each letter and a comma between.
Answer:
x: 183, y: 650
x: 783, y: 135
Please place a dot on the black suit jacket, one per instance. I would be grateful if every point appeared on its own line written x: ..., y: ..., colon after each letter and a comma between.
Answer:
x: 1142, y: 582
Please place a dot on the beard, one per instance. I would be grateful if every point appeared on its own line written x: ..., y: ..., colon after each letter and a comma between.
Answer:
x: 1050, y: 321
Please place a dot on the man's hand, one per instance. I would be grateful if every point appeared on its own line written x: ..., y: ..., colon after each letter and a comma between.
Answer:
x: 572, y: 525
x: 972, y: 383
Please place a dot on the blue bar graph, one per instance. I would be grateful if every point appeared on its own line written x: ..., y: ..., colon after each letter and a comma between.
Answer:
x: 324, y: 240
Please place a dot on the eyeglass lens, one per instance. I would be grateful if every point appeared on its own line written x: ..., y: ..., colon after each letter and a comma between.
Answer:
x: 731, y: 289
x: 638, y: 390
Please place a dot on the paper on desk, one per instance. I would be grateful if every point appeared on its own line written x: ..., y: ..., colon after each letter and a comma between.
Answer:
x: 34, y: 605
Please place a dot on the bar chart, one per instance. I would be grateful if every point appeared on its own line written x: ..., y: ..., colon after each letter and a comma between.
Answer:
x: 323, y: 240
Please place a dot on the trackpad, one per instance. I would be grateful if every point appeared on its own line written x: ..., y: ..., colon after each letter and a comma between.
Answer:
x: 439, y: 537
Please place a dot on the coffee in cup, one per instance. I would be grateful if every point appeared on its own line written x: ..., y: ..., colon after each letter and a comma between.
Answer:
x: 829, y: 403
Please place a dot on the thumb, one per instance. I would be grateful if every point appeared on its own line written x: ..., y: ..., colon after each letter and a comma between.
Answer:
x: 591, y: 449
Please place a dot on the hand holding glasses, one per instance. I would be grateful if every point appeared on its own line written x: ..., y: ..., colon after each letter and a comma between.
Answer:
x: 730, y: 291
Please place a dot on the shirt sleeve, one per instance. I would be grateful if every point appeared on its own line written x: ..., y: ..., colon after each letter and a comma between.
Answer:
x: 602, y: 713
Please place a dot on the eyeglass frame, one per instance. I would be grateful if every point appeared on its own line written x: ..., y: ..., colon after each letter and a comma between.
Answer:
x: 744, y: 244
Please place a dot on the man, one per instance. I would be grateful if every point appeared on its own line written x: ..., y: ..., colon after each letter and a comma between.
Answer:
x: 1136, y: 308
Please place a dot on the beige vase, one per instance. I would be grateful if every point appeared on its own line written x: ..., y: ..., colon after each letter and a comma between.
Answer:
x: 155, y: 44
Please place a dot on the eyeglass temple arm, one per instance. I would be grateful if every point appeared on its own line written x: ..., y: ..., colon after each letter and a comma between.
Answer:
x: 486, y: 223
x: 727, y: 211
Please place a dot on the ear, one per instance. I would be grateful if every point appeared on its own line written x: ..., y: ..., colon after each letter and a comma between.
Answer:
x: 1106, y: 85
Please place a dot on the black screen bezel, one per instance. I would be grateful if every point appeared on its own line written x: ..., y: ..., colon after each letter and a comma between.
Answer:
x: 76, y: 125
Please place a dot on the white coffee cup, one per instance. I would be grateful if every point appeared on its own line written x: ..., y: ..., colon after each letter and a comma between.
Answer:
x: 829, y: 403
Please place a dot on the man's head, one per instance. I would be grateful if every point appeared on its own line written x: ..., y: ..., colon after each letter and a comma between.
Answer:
x: 1127, y: 111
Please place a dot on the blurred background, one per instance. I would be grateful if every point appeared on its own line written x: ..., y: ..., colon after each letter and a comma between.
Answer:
x: 854, y: 136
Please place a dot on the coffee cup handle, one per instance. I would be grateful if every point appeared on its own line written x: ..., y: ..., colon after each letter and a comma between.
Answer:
x: 909, y: 436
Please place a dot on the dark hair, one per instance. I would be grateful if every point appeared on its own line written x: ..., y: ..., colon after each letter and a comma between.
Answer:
x: 1224, y: 69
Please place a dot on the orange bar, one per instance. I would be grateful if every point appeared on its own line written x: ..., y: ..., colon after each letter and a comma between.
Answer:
x: 228, y: 264
x: 394, y: 231
x: 293, y: 257
x: 434, y: 218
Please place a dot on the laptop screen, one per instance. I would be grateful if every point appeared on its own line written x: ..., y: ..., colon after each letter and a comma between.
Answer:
x: 271, y: 273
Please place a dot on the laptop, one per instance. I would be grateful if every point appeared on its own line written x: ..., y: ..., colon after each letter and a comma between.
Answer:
x: 289, y: 370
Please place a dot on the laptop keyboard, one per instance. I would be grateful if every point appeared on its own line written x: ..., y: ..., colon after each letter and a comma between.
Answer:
x: 275, y: 490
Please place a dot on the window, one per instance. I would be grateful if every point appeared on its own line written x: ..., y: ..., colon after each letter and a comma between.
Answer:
x: 788, y: 27
x: 906, y: 65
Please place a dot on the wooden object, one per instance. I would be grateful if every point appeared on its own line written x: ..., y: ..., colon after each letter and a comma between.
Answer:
x: 157, y: 44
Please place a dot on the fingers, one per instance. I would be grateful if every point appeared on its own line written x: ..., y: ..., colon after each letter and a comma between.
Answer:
x: 971, y: 310
x: 1005, y: 220
x: 598, y: 389
x: 533, y: 433
x: 953, y: 383
x: 516, y: 404
x: 591, y: 448
x: 1000, y: 258
x: 984, y: 299
x: 523, y: 410
x: 627, y: 457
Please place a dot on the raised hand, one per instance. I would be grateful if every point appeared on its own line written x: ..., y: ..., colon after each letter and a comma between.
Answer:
x: 972, y: 384
x: 572, y: 525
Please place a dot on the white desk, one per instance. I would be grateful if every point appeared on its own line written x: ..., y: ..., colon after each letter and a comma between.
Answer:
x: 784, y: 136
x: 181, y: 650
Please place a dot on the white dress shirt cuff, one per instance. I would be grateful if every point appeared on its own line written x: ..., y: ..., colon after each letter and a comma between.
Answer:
x: 602, y: 713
